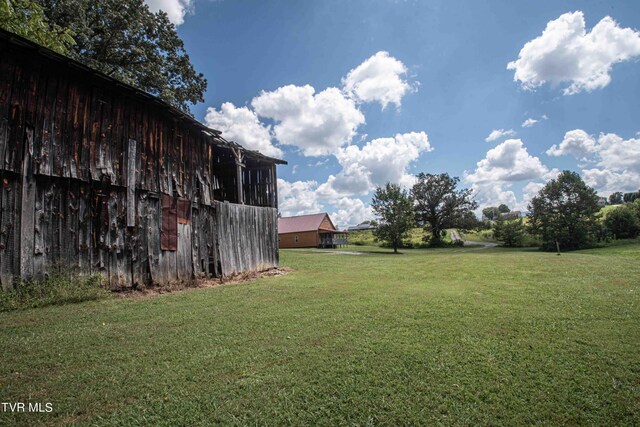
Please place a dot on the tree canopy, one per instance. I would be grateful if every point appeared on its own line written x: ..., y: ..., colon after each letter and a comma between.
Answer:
x: 623, y: 222
x: 510, y: 232
x: 490, y: 213
x: 615, y: 198
x: 440, y: 205
x: 564, y: 213
x: 26, y: 18
x: 125, y: 40
x: 394, y: 209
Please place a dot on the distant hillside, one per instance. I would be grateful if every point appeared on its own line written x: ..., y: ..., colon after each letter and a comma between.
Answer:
x: 366, y: 238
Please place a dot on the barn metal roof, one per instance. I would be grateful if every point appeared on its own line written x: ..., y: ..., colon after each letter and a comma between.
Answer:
x: 215, y: 135
x: 297, y: 224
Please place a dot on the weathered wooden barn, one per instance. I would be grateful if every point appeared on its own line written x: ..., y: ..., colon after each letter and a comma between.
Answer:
x: 307, y: 231
x: 99, y: 177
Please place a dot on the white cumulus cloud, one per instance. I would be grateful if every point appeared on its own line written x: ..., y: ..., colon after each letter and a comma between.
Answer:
x: 531, y: 121
x: 175, y: 9
x: 302, y: 198
x: 350, y: 211
x: 529, y: 191
x: 567, y: 53
x: 502, y: 167
x: 379, y: 161
x: 317, y: 123
x: 576, y: 143
x: 610, y: 151
x: 618, y: 159
x: 297, y: 198
x: 606, y: 181
x: 618, y: 153
x: 380, y: 78
x: 241, y: 125
x: 499, y: 133
x: 507, y: 162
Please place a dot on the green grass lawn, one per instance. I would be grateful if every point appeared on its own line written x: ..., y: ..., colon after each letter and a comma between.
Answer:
x: 451, y: 337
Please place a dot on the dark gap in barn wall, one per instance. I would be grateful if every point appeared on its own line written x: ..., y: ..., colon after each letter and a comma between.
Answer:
x: 169, y: 233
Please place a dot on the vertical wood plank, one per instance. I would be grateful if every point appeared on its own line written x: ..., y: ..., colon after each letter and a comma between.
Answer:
x: 27, y: 209
x: 153, y: 241
x: 84, y: 229
x: 39, y: 231
x: 7, y: 232
x: 59, y: 137
x: 131, y: 183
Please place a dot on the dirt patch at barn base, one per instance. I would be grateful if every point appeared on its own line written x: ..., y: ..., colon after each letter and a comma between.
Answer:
x: 151, y: 291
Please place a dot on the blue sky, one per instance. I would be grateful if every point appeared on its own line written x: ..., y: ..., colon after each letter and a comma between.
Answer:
x: 354, y: 93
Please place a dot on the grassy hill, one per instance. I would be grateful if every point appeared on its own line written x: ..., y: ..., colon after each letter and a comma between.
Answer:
x: 432, y: 337
x: 606, y: 209
x: 366, y: 238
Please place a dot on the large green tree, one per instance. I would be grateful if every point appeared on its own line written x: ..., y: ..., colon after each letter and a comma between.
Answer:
x: 125, y: 40
x: 564, y: 212
x: 440, y: 205
x: 26, y: 18
x: 615, y: 198
x: 394, y: 209
x: 490, y: 213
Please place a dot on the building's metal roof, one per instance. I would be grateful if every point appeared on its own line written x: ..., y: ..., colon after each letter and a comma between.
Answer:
x: 360, y: 227
x: 297, y: 224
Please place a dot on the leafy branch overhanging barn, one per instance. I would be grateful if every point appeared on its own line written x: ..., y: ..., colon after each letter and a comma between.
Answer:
x: 103, y: 178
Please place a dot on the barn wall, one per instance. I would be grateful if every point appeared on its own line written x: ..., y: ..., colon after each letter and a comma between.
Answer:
x: 250, y: 233
x: 82, y: 228
x: 84, y: 166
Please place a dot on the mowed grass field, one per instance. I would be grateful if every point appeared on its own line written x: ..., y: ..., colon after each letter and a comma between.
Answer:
x: 429, y: 337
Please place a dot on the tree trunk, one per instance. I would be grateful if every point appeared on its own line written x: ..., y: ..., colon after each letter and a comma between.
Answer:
x: 435, y: 235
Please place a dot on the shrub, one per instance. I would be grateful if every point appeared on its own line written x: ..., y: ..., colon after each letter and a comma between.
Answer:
x: 510, y: 232
x: 57, y: 289
x: 623, y: 222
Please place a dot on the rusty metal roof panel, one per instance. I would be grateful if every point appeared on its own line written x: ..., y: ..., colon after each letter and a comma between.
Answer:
x: 214, y: 134
x: 297, y: 224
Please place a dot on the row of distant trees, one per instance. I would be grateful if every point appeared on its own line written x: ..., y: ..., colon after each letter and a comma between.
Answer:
x: 434, y: 203
x: 564, y: 214
x: 492, y: 213
x: 619, y: 197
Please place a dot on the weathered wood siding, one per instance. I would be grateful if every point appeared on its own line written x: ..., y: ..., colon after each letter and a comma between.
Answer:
x: 251, y: 234
x: 303, y: 239
x: 326, y: 224
x: 84, y: 164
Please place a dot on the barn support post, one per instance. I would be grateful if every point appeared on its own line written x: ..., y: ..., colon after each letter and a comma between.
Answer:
x: 274, y: 184
x: 239, y: 175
